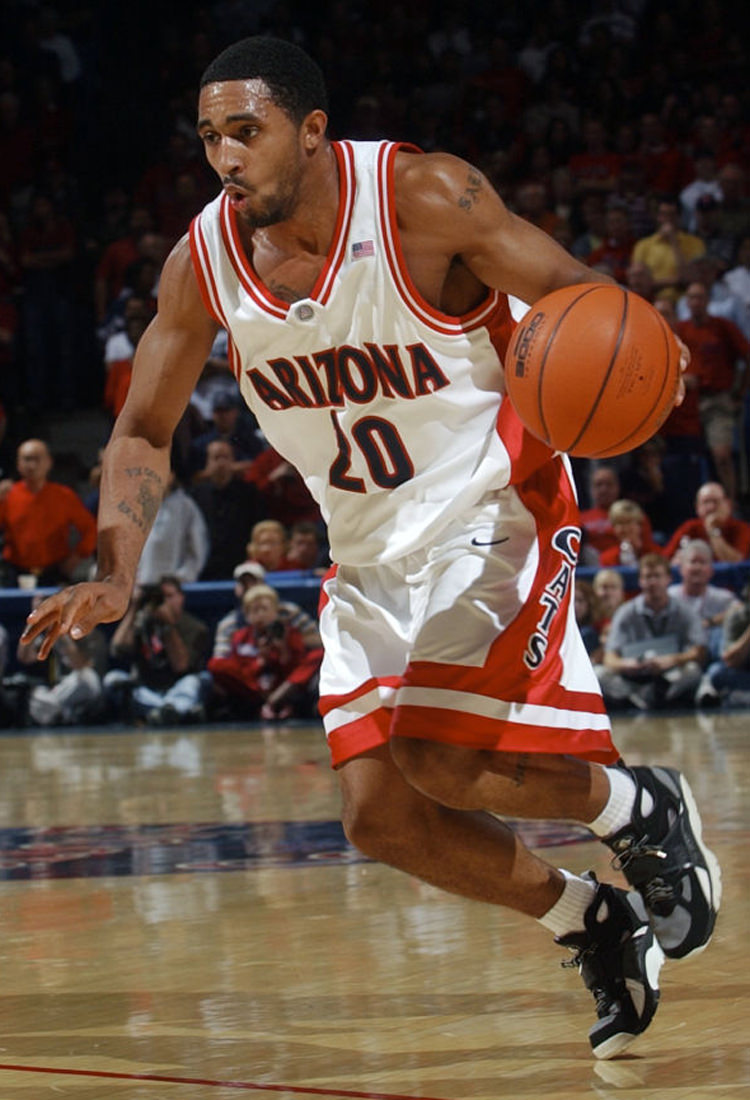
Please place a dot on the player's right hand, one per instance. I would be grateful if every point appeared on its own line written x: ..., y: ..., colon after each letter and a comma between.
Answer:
x: 75, y: 611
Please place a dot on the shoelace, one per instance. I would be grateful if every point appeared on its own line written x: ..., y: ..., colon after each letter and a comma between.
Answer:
x: 633, y: 850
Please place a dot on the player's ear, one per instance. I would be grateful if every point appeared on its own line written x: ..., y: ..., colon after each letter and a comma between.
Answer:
x: 313, y: 129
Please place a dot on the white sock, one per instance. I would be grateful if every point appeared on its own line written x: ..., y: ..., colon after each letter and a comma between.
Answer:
x: 619, y: 809
x: 566, y: 915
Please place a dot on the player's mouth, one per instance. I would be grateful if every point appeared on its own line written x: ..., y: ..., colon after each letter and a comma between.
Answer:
x: 238, y: 197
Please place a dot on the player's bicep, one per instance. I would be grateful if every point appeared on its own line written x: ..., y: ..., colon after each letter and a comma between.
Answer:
x: 170, y: 355
x: 512, y: 255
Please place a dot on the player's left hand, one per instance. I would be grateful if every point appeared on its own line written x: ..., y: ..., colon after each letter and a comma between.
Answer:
x: 684, y: 364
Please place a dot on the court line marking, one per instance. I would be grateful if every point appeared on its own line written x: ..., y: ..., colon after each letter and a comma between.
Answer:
x: 248, y: 1086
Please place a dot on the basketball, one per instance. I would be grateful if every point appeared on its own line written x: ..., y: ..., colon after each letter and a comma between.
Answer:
x: 592, y: 370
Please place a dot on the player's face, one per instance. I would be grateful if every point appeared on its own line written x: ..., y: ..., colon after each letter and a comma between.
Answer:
x: 255, y: 149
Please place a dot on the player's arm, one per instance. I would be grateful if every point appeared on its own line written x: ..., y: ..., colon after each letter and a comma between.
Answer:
x: 136, y: 466
x: 448, y: 203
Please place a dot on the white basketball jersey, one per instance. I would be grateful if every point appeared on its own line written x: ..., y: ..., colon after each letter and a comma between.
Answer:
x: 387, y: 407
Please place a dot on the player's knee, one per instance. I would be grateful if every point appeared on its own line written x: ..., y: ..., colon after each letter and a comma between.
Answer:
x: 371, y: 829
x: 428, y: 767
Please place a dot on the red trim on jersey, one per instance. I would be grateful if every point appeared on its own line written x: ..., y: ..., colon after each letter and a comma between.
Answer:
x: 347, y: 192
x: 505, y: 676
x: 203, y: 273
x: 264, y: 298
x: 328, y: 703
x: 359, y: 736
x: 444, y: 323
x: 242, y: 267
x: 436, y: 724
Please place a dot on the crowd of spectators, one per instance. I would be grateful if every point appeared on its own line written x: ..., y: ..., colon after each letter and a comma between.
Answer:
x: 620, y: 127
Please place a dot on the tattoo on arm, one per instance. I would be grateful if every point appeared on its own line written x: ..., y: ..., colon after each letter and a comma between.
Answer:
x: 470, y: 196
x: 149, y: 497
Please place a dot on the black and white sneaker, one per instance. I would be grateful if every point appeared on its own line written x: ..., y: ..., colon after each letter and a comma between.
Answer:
x: 619, y: 960
x: 662, y: 854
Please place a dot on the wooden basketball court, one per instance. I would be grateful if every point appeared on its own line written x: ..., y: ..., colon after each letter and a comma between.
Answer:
x: 181, y: 918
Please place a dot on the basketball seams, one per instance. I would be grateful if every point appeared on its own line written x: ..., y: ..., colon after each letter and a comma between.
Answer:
x: 593, y: 375
x: 547, y: 348
x: 620, y: 446
x: 605, y: 380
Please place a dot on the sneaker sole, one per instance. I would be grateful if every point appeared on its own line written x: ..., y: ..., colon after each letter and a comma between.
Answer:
x: 713, y: 867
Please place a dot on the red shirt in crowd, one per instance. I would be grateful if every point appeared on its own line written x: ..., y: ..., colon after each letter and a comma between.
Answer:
x: 37, y: 526
x: 714, y: 346
x: 734, y: 531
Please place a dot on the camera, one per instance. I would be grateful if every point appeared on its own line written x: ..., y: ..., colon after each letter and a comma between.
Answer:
x: 273, y: 632
x: 151, y: 597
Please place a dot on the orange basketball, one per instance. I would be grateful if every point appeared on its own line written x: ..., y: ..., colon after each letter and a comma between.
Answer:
x: 592, y: 370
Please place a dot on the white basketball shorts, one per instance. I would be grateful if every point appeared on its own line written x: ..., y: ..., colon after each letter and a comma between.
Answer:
x: 471, y: 641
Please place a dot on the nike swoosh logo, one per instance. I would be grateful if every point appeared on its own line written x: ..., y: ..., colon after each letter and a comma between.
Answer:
x: 492, y: 542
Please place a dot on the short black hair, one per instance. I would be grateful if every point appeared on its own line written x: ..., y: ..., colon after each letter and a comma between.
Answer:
x: 292, y: 77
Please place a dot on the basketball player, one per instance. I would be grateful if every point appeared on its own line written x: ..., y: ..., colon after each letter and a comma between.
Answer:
x: 365, y: 288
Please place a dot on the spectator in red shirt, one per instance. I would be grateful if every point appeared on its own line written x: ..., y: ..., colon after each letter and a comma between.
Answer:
x: 616, y: 249
x: 46, y: 528
x: 633, y: 536
x: 269, y: 669
x: 716, y: 345
x: 117, y: 258
x: 596, y: 168
x: 598, y: 534
x: 729, y: 538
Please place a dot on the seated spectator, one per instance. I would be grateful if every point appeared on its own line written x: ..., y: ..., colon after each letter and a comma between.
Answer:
x: 668, y: 251
x: 305, y: 549
x: 656, y: 646
x: 230, y: 507
x: 696, y: 566
x: 46, y: 529
x: 76, y: 696
x: 66, y: 689
x: 229, y: 426
x: 597, y: 531
x: 642, y: 480
x: 167, y: 649
x: 269, y: 670
x: 119, y: 352
x: 609, y: 591
x: 587, y: 615
x: 287, y: 498
x: 633, y: 538
x: 246, y: 575
x: 178, y: 543
x: 269, y: 546
x: 617, y: 247
x: 721, y: 301
x: 639, y: 279
x: 728, y: 679
x: 4, y: 643
x: 717, y: 349
x: 738, y: 277
x: 729, y: 538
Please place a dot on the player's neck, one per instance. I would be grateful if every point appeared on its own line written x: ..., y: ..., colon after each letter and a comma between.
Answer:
x: 311, y: 226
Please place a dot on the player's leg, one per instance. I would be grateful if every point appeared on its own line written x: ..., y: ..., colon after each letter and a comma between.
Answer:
x: 647, y: 816
x: 473, y: 854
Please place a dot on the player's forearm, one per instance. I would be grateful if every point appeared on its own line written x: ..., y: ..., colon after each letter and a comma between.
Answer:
x: 134, y: 480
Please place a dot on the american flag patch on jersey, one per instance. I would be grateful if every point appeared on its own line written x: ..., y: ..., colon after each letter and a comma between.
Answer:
x: 360, y: 249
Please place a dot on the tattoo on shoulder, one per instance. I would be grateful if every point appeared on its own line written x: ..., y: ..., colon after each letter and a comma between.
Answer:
x: 470, y: 196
